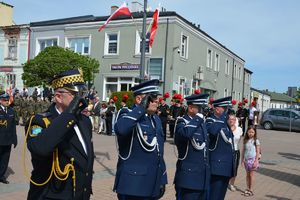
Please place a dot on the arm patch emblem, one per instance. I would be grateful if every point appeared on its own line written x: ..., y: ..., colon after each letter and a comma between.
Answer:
x: 35, y: 130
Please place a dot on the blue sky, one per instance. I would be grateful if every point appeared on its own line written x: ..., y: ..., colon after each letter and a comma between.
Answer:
x: 265, y: 33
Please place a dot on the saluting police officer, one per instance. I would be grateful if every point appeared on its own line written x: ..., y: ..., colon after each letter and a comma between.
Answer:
x: 221, y: 149
x: 60, y: 142
x: 8, y: 134
x: 141, y: 171
x: 192, y: 168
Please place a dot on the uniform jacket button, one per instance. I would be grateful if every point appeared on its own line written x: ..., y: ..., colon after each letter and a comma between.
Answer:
x: 87, y: 174
x: 84, y: 189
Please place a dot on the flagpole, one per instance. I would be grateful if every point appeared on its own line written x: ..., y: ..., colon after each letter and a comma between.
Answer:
x: 143, y: 48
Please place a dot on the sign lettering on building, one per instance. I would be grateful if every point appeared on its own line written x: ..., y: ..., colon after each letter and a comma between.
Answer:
x: 125, y: 66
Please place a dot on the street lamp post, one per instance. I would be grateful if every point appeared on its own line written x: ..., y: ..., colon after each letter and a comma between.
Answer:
x: 143, y: 48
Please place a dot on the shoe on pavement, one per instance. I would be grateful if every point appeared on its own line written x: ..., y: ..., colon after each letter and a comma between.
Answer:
x: 231, y: 188
x: 4, y: 181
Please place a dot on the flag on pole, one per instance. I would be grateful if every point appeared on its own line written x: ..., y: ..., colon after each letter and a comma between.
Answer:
x: 123, y: 10
x: 154, y: 26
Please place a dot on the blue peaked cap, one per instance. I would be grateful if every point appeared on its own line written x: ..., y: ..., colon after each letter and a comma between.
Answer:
x: 4, y: 95
x: 197, y: 99
x: 146, y: 87
x: 223, y: 102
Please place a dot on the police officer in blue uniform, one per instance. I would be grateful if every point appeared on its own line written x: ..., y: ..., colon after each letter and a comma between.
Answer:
x: 192, y: 168
x: 8, y: 134
x: 141, y: 171
x: 60, y: 143
x: 221, y: 149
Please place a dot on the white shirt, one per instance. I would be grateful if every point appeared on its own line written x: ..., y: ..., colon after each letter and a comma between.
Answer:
x: 251, y: 112
x: 250, y: 149
x: 78, y: 134
x: 237, y: 133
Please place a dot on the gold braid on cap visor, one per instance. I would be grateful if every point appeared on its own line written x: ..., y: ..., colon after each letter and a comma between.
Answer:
x: 64, y: 81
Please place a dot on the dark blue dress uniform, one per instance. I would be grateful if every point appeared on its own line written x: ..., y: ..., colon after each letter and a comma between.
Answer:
x: 8, y: 136
x: 141, y: 170
x: 192, y: 168
x: 221, y: 151
x: 62, y: 167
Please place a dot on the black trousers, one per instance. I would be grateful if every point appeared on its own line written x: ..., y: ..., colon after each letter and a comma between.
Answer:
x: 164, y: 127
x: 108, y: 126
x: 243, y: 123
x: 171, y: 127
x: 4, y: 159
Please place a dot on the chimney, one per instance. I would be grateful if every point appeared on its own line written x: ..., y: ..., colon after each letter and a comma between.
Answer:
x: 113, y: 9
x: 136, y: 6
x: 6, y: 14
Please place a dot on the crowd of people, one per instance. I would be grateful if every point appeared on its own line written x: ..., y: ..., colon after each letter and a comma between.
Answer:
x: 206, y: 133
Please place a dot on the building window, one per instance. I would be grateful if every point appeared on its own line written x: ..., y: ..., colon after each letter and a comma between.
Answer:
x: 47, y: 43
x: 181, y: 85
x: 239, y: 99
x: 227, y: 67
x: 155, y: 68
x: 114, y: 84
x: 235, y: 71
x: 233, y: 95
x: 11, y: 80
x: 240, y: 73
x: 12, y: 48
x: 184, y: 47
x: 209, y: 58
x: 217, y: 62
x: 111, y: 44
x: 138, y: 46
x: 225, y: 92
x: 79, y: 45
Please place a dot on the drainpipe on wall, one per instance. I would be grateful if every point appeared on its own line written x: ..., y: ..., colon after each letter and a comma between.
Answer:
x: 232, y: 76
x: 243, y: 90
x: 29, y: 38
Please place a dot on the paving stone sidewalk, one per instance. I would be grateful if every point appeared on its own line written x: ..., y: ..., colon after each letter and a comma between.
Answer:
x: 278, y: 177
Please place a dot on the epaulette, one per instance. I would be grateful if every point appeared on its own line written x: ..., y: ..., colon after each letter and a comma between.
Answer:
x: 181, y: 119
x: 45, y: 114
x: 122, y: 111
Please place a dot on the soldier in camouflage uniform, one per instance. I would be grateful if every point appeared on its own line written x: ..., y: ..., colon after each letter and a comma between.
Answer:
x: 24, y: 110
x: 30, y: 107
x: 17, y: 106
x: 38, y: 105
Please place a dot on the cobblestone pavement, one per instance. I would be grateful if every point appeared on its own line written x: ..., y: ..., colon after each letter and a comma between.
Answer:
x: 278, y: 177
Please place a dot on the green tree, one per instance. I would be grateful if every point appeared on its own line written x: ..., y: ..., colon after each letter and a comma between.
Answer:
x: 119, y: 96
x: 298, y: 94
x: 54, y: 60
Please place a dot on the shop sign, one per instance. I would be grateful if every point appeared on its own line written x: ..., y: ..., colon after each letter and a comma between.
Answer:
x: 125, y: 66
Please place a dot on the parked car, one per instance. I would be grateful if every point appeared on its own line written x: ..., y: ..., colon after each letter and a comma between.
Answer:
x: 281, y: 119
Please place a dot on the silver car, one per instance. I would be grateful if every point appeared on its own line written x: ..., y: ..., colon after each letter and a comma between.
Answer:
x: 281, y: 119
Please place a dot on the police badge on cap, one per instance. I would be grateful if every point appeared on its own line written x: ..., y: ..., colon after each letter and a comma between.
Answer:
x: 146, y: 87
x: 223, y: 102
x: 70, y: 80
x: 197, y: 99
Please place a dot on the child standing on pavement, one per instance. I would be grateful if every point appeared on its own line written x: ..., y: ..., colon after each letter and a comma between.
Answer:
x: 250, y: 157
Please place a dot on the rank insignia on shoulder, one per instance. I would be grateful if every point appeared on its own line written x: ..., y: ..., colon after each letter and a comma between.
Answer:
x: 35, y: 130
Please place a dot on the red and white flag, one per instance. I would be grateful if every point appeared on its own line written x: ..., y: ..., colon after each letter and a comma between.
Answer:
x: 123, y: 10
x: 154, y: 26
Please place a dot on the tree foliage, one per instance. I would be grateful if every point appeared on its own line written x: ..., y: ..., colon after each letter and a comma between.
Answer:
x: 54, y: 60
x: 298, y: 94
x: 120, y: 95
